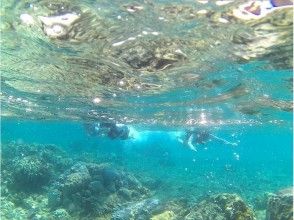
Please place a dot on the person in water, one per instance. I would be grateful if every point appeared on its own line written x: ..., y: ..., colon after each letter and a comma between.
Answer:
x: 119, y: 131
x: 109, y: 129
x: 193, y: 138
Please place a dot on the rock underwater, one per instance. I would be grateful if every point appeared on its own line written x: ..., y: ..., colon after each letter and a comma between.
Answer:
x: 221, y: 207
x: 94, y: 189
x: 280, y: 205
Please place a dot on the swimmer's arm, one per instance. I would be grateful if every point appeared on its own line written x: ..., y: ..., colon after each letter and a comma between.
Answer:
x: 180, y: 140
x: 191, y: 146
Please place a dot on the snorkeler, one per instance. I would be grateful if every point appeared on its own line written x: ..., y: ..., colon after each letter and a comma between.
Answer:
x: 109, y: 129
x: 119, y: 131
x: 193, y: 138
x: 259, y: 9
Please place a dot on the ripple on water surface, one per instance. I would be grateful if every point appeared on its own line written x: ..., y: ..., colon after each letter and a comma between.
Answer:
x: 152, y: 63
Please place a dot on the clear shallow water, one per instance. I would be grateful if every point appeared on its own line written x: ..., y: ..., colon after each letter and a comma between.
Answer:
x: 160, y: 67
x: 260, y: 163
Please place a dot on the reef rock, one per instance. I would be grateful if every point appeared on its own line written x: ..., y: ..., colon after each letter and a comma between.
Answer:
x: 280, y: 205
x: 31, y: 172
x: 221, y: 207
x: 136, y: 210
x: 61, y: 214
x: 172, y: 209
x: 260, y: 201
x: 77, y: 179
x: 30, y: 167
x: 167, y: 215
x: 93, y: 188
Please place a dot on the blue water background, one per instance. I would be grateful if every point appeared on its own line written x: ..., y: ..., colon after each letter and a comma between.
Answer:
x: 262, y: 161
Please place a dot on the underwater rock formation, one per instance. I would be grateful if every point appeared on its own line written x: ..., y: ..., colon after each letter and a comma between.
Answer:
x: 41, y: 182
x: 167, y: 215
x: 280, y: 206
x: 34, y: 207
x: 27, y: 169
x: 90, y: 188
x: 31, y: 172
x: 30, y: 167
x: 260, y: 202
x: 172, y: 209
x: 136, y: 210
x: 10, y: 211
x: 61, y: 214
x: 221, y: 207
x: 77, y: 179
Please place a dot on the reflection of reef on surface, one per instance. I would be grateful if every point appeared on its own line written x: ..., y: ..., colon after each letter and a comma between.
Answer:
x: 71, y: 53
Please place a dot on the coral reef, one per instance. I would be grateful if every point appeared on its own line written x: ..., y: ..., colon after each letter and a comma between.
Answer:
x: 167, y: 215
x: 10, y: 211
x: 221, y: 207
x: 26, y: 172
x: 280, y: 205
x: 31, y: 172
x: 61, y: 214
x: 136, y: 210
x: 30, y: 207
x: 260, y: 201
x: 89, y: 188
x: 31, y: 167
x: 41, y: 182
x: 172, y: 209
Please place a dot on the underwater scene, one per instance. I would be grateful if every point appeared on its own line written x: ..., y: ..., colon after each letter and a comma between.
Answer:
x: 146, y: 109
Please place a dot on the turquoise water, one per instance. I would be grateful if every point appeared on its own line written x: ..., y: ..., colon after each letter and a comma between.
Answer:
x: 163, y: 69
x: 264, y: 162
